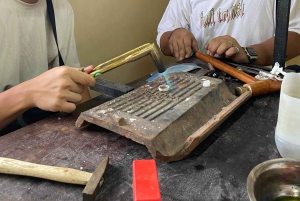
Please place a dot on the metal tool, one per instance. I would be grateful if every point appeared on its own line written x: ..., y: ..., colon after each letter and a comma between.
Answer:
x: 111, y: 89
x: 260, y: 74
x: 93, y: 181
x: 212, y: 71
x: 263, y: 72
x: 281, y: 31
x: 236, y: 65
x: 130, y: 56
x: 116, y: 89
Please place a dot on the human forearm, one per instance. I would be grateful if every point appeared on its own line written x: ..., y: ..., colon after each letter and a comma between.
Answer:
x: 265, y: 50
x: 58, y: 89
x: 13, y: 103
x: 293, y: 45
x: 164, y: 43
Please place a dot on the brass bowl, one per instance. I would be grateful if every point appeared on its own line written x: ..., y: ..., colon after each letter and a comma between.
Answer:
x: 274, y: 180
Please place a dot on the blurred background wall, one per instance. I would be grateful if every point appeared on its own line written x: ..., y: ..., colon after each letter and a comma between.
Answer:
x: 105, y: 29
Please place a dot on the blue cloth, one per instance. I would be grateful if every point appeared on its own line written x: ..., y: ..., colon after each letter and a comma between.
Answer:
x: 175, y: 68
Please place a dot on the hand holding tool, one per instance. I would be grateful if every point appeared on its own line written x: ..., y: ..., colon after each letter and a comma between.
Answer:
x: 92, y: 181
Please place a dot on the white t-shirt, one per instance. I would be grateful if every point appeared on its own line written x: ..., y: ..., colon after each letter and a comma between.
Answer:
x: 27, y: 45
x: 248, y: 21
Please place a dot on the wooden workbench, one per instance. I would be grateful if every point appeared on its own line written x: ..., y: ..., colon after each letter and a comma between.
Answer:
x: 216, y: 170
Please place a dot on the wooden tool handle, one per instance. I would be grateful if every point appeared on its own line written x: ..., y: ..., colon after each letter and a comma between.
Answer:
x: 60, y: 174
x: 244, y: 77
x: 257, y: 87
x: 263, y: 87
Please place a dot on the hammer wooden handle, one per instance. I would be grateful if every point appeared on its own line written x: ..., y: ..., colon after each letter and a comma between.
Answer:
x: 60, y: 174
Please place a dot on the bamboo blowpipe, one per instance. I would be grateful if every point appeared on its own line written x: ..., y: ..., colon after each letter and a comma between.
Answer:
x: 257, y: 87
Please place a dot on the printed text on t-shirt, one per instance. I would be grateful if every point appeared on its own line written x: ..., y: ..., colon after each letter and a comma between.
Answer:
x: 236, y: 11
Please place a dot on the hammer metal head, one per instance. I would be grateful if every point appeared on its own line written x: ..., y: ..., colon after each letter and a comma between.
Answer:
x: 92, y: 188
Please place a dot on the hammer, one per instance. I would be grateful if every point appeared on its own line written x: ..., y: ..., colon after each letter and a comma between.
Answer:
x: 93, y: 181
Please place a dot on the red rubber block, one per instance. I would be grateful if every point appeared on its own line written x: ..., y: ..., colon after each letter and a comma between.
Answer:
x: 145, y: 181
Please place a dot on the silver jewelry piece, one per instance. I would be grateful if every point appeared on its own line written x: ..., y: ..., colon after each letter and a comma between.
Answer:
x: 237, y: 50
x: 163, y: 87
x: 231, y: 44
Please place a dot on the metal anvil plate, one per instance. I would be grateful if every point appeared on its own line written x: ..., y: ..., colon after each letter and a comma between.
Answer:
x: 170, y: 124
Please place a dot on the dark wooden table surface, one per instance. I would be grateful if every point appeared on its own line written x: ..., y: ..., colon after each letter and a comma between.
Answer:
x: 216, y: 170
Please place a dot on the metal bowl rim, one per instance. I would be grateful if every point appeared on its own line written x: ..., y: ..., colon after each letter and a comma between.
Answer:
x: 251, y: 176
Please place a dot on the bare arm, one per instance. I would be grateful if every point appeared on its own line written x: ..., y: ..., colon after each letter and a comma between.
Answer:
x: 164, y: 43
x: 265, y: 50
x: 13, y: 103
x: 58, y: 89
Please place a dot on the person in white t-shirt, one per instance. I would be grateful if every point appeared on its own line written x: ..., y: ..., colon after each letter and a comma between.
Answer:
x: 28, y: 50
x: 224, y: 28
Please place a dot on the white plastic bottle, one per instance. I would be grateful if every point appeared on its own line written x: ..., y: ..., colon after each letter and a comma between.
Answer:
x: 287, y: 132
x: 286, y: 149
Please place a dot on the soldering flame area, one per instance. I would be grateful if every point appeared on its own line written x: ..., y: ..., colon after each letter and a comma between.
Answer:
x: 148, y: 102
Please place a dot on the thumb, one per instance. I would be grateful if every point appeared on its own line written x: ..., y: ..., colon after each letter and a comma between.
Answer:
x: 195, y: 45
x: 88, y: 69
